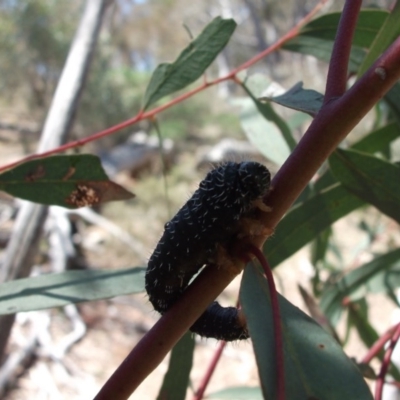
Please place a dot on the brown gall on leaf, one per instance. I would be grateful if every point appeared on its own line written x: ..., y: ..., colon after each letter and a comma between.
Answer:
x: 89, y: 193
x: 83, y: 196
x: 71, y: 171
x: 38, y: 173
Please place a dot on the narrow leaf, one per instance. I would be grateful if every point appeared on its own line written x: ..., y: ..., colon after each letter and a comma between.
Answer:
x: 369, y: 23
x: 317, y: 37
x: 388, y: 32
x: 392, y: 98
x: 304, y: 221
x: 379, y: 139
x: 374, y: 180
x: 237, y: 393
x: 263, y: 133
x: 56, y: 290
x: 358, y: 318
x: 304, y: 100
x: 176, y: 380
x: 354, y: 284
x: 191, y: 63
x: 252, y: 86
x: 315, y: 365
x: 68, y: 181
x: 320, y: 246
x: 322, y: 50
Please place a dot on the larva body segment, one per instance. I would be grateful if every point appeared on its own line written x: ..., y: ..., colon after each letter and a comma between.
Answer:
x: 210, y: 218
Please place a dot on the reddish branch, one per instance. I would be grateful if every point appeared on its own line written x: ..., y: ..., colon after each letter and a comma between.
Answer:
x: 386, y: 363
x: 210, y: 370
x: 378, y: 346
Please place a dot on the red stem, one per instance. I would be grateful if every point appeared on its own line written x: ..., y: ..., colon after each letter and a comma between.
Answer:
x: 203, y: 386
x: 337, y: 74
x: 378, y: 346
x: 386, y: 363
x: 278, y: 335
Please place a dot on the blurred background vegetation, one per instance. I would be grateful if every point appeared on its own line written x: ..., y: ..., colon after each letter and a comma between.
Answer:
x: 136, y: 36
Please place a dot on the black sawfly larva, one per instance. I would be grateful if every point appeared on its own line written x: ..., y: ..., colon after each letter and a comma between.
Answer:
x: 208, y: 219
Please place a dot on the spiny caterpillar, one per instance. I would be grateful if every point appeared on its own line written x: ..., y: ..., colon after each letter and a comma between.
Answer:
x: 210, y: 219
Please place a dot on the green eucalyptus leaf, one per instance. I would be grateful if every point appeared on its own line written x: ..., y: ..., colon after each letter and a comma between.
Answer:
x: 57, y: 290
x: 388, y: 32
x: 315, y: 365
x: 191, y: 63
x: 373, y: 180
x: 378, y: 139
x: 317, y: 37
x: 176, y: 380
x: 383, y: 268
x: 369, y: 23
x: 304, y: 100
x: 70, y: 181
x: 263, y: 133
x: 306, y: 220
x: 237, y: 393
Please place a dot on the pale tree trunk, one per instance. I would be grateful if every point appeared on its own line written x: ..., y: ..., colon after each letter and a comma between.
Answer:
x: 22, y: 247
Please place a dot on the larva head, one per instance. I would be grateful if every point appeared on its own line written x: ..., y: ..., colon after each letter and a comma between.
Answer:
x: 254, y: 179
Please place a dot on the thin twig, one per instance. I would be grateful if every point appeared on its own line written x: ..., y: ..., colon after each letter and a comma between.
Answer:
x: 377, y: 347
x: 210, y: 370
x: 386, y: 363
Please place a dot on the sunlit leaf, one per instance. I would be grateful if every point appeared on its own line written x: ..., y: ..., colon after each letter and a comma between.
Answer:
x: 56, y: 290
x: 254, y: 86
x: 263, y: 133
x: 68, y: 181
x: 237, y: 393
